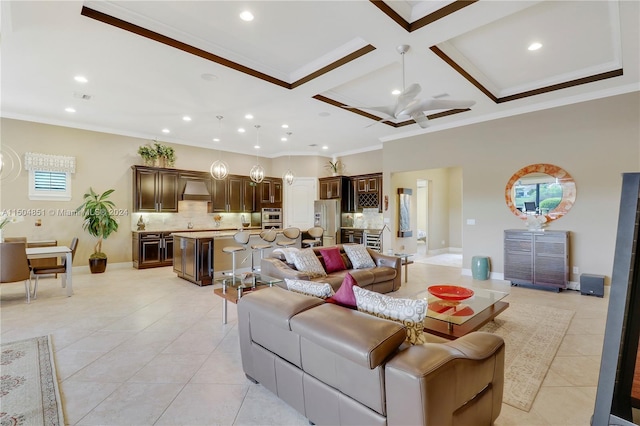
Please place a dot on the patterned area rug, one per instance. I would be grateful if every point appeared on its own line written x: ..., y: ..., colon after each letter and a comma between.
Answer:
x: 532, y: 336
x: 29, y: 392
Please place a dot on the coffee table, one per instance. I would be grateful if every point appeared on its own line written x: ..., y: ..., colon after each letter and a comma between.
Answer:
x: 453, y: 319
x: 234, y: 287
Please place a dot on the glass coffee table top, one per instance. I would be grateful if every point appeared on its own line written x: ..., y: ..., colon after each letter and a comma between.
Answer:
x: 246, y: 282
x: 457, y: 312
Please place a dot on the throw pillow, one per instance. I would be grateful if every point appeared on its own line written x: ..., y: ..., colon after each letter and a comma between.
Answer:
x: 344, y: 296
x: 288, y: 254
x: 306, y: 261
x: 310, y: 288
x: 409, y: 312
x: 332, y: 259
x: 359, y: 256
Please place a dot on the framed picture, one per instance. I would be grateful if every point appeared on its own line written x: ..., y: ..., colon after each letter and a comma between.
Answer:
x: 404, y: 210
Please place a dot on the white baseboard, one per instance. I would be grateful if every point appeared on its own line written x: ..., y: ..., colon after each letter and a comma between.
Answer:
x: 492, y: 275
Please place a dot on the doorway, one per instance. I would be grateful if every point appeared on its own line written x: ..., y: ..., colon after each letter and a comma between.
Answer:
x: 422, y: 217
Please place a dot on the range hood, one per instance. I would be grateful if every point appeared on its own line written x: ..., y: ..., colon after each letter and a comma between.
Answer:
x: 196, y: 190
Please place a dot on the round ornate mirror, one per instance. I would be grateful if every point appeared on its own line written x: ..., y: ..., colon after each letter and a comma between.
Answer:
x: 540, y: 190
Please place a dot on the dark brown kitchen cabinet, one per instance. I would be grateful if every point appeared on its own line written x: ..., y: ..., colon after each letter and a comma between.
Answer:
x: 152, y: 249
x: 193, y: 259
x: 249, y: 195
x: 235, y: 194
x: 351, y: 235
x: 537, y: 258
x: 368, y: 191
x: 219, y: 195
x: 155, y: 190
x: 270, y: 193
x: 235, y: 198
x: 334, y: 187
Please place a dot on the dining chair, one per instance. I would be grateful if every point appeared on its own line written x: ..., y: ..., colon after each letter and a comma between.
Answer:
x: 315, y: 233
x: 291, y: 234
x: 14, y: 265
x: 53, y: 269
x: 268, y: 236
x: 242, y: 238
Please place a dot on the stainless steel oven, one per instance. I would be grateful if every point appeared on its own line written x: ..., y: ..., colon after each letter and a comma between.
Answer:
x: 272, y: 218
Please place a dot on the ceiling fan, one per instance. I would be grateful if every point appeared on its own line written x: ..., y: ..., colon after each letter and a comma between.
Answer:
x: 409, y: 106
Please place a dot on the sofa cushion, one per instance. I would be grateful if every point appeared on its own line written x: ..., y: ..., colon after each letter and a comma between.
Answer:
x: 332, y: 259
x: 306, y: 261
x: 310, y: 288
x: 409, y: 312
x: 344, y: 296
x: 359, y: 256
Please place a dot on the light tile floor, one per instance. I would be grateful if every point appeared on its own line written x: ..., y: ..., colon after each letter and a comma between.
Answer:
x: 144, y: 347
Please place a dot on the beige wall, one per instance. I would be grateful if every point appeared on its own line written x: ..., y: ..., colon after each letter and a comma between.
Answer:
x: 361, y: 164
x: 594, y: 141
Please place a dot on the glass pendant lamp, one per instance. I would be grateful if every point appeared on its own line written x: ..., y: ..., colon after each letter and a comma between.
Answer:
x: 219, y: 169
x: 257, y: 172
x: 288, y: 176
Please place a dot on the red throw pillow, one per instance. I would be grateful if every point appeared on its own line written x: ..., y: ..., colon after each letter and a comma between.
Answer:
x: 332, y: 259
x: 344, y: 296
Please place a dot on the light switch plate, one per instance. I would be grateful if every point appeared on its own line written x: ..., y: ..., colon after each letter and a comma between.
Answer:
x: 471, y: 221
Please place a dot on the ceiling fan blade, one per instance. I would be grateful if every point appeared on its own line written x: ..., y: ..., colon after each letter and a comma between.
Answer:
x: 431, y: 104
x: 406, y: 98
x: 421, y: 119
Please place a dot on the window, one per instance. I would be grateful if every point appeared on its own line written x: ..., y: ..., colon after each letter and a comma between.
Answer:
x: 49, y: 176
x: 46, y: 185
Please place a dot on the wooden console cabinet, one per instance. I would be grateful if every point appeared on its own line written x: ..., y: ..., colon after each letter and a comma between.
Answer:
x: 537, y: 258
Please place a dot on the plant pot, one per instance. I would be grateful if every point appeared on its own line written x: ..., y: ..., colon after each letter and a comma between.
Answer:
x: 97, y: 266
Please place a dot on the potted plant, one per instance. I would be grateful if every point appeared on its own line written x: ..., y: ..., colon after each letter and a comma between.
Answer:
x: 334, y: 166
x: 166, y: 154
x: 99, y: 222
x: 149, y: 154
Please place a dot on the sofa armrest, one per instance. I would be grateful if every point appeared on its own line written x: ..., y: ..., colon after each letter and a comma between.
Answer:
x: 459, y: 382
x: 391, y: 261
x: 276, y: 268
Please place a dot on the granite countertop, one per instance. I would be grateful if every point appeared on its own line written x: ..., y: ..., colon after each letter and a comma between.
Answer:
x: 213, y: 234
x: 173, y: 231
x: 361, y: 229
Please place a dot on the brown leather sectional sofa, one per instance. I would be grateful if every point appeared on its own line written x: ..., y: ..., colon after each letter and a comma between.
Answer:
x: 384, y: 278
x: 339, y: 366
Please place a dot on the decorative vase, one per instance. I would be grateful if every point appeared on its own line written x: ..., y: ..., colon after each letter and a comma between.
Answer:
x: 480, y: 267
x: 97, y: 266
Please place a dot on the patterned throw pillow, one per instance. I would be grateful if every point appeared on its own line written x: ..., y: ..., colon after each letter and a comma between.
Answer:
x: 332, y: 259
x: 306, y: 261
x: 310, y: 288
x: 408, y: 312
x: 359, y: 256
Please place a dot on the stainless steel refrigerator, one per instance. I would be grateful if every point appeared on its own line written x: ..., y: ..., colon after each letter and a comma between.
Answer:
x: 327, y: 215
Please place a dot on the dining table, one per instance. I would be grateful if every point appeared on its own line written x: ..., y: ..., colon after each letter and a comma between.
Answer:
x: 62, y: 252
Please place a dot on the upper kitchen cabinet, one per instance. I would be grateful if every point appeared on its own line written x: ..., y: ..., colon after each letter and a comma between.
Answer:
x: 155, y: 190
x: 368, y: 191
x: 270, y: 192
x: 235, y: 194
x: 334, y: 187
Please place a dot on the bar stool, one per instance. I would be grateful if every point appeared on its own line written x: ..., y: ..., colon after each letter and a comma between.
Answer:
x: 315, y: 233
x: 268, y: 236
x: 291, y: 235
x: 241, y: 237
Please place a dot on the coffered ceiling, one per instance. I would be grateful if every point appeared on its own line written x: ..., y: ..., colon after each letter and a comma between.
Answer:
x: 151, y: 63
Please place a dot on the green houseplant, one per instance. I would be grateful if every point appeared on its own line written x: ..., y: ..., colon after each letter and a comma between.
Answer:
x: 157, y: 153
x: 148, y: 153
x: 99, y: 222
x: 334, y: 166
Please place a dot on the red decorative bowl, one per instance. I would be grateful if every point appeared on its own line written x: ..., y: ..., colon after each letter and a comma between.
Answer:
x: 450, y: 292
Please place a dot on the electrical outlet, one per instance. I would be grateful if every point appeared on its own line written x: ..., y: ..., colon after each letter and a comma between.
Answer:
x: 576, y: 270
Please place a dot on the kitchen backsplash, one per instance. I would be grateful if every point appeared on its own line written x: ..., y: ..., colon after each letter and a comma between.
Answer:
x: 368, y: 219
x: 194, y: 212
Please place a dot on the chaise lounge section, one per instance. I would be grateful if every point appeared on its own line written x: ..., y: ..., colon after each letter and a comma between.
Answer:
x: 340, y: 366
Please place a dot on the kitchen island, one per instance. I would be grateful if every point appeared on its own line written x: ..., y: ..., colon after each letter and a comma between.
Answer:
x: 198, y: 255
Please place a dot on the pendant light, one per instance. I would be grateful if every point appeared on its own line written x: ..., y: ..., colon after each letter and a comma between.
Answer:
x: 219, y: 169
x: 288, y: 175
x: 257, y: 172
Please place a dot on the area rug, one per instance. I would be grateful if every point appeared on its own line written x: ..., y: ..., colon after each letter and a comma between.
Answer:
x: 29, y: 392
x: 532, y: 335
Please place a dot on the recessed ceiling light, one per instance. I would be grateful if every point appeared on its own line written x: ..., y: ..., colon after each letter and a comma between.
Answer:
x: 256, y: 146
x: 283, y: 139
x: 216, y: 139
x: 534, y: 46
x: 249, y: 117
x: 246, y: 16
x: 70, y: 109
x: 396, y: 92
x: 209, y: 77
x: 166, y: 131
x: 325, y: 147
x: 241, y: 130
x: 285, y: 126
x: 186, y: 118
x: 80, y: 79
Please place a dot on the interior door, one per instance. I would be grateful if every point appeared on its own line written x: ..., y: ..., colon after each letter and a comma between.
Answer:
x: 298, y: 202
